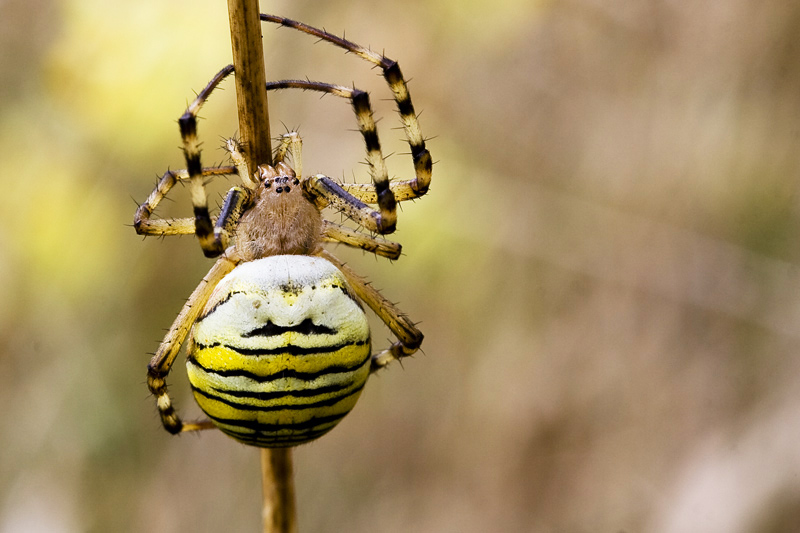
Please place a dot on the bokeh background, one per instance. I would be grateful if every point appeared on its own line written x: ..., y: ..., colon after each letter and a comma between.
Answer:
x: 606, y: 268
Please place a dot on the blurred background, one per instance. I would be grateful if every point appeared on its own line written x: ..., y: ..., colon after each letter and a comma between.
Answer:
x: 606, y: 268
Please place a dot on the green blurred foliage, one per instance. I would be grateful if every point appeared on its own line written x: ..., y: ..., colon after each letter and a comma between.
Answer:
x: 605, y: 269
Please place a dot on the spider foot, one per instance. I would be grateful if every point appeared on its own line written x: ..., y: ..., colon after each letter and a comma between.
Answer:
x: 396, y: 352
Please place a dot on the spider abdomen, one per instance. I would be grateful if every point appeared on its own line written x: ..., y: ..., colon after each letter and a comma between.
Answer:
x: 281, y: 351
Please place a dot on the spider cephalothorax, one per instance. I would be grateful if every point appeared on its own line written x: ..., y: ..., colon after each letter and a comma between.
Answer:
x: 282, y: 220
x: 278, y: 343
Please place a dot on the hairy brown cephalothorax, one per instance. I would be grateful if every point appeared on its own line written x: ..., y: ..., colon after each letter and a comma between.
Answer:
x: 282, y: 219
x: 276, y: 212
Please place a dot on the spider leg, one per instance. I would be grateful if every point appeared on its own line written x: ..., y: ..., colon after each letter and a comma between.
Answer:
x: 162, y: 361
x: 142, y: 222
x: 409, y: 337
x: 235, y: 203
x: 237, y: 199
x: 342, y: 234
x: 235, y: 152
x: 386, y: 220
x: 204, y: 229
x: 292, y: 143
x: 391, y: 73
x: 365, y: 192
x: 325, y: 192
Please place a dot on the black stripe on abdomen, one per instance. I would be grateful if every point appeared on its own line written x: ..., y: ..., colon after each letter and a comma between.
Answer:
x: 289, y: 349
x: 327, y: 402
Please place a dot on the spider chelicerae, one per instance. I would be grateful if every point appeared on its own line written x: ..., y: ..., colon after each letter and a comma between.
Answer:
x: 278, y: 343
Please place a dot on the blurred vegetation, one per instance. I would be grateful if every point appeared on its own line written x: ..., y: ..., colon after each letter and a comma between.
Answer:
x: 606, y: 268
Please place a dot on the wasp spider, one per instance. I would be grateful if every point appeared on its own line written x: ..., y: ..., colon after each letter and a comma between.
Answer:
x: 277, y: 338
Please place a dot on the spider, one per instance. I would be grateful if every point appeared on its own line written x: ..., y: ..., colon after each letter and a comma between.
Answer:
x: 277, y: 338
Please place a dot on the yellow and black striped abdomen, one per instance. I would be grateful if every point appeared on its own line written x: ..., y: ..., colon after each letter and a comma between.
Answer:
x: 281, y: 351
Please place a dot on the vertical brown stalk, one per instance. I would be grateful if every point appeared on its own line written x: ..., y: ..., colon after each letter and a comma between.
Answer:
x: 251, y: 81
x: 278, y: 513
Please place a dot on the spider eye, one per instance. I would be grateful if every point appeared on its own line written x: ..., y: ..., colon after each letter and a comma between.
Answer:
x: 295, y: 181
x: 267, y: 184
x: 286, y: 188
x: 279, y: 189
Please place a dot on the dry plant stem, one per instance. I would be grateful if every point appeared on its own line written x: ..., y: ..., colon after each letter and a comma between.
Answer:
x: 251, y: 81
x: 278, y: 513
